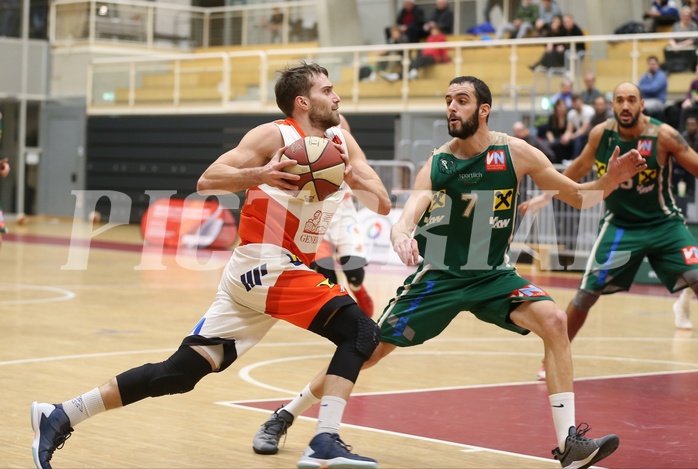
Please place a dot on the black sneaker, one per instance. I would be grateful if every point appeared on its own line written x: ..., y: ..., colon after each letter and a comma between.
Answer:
x: 266, y: 440
x: 327, y: 450
x: 581, y: 452
x: 51, y: 428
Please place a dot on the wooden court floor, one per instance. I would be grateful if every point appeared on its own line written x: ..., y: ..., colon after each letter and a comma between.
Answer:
x: 74, y: 316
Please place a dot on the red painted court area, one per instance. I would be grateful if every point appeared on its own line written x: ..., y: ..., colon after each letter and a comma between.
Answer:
x: 655, y: 416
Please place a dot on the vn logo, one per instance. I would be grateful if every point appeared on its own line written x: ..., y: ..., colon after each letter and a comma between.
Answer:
x: 690, y: 255
x: 253, y: 277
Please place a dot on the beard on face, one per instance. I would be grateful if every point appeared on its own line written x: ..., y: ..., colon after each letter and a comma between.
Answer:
x: 628, y: 125
x: 467, y: 128
x: 323, y: 119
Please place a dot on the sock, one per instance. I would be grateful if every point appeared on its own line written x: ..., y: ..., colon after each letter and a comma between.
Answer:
x: 83, y: 407
x: 562, y: 405
x: 330, y: 415
x: 302, y: 402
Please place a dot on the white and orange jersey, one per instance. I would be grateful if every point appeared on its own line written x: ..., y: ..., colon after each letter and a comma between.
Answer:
x: 275, y: 217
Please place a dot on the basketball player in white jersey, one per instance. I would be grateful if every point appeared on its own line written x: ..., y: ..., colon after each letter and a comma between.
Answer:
x: 267, y: 278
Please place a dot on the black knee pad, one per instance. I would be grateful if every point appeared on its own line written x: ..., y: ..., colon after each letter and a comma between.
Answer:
x: 353, y: 268
x: 176, y: 375
x: 325, y: 266
x: 355, y: 335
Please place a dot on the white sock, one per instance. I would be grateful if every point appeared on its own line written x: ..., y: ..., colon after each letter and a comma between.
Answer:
x: 562, y: 405
x: 330, y: 415
x: 83, y: 407
x: 302, y: 402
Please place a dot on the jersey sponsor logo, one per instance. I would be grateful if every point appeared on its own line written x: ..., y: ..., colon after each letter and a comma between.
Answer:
x: 644, y: 146
x: 600, y: 168
x: 496, y: 160
x: 647, y: 176
x: 430, y: 220
x: 315, y: 227
x: 253, y: 277
x: 293, y: 259
x: 325, y: 283
x: 690, y: 255
x: 470, y: 178
x: 496, y: 223
x: 529, y: 291
x: 446, y: 166
x: 438, y: 200
x: 503, y: 199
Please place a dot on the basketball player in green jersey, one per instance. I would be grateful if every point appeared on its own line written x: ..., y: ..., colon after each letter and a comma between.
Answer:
x: 459, y: 220
x: 642, y: 209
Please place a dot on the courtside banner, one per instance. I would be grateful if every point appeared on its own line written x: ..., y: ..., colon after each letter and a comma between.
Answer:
x: 189, y: 223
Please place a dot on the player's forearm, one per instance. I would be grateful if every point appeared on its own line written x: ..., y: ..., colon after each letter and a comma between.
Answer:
x: 222, y: 179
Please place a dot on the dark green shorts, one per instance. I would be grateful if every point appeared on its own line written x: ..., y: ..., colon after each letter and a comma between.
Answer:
x: 429, y: 300
x: 670, y: 248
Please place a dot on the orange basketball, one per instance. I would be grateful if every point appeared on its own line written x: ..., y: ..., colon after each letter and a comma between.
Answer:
x: 320, y: 167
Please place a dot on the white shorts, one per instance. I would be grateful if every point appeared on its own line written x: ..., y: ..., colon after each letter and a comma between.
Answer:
x: 261, y: 284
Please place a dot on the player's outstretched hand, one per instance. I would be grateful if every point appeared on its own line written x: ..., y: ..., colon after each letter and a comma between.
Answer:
x: 407, y: 249
x: 534, y: 205
x: 273, y: 173
x: 626, y: 166
x: 4, y: 168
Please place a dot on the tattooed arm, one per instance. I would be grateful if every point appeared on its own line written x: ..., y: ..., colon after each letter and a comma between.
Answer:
x: 671, y: 143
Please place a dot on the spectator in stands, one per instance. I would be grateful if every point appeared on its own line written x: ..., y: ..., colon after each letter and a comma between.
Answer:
x: 679, y: 174
x: 386, y: 63
x: 565, y: 93
x: 590, y: 92
x: 554, y: 129
x: 492, y: 4
x: 571, y: 29
x: 684, y: 25
x: 547, y: 10
x: 274, y: 25
x: 689, y: 106
x: 524, y: 133
x: 425, y: 58
x: 410, y: 20
x: 9, y: 18
x: 653, y: 86
x: 578, y: 125
x: 602, y: 111
x: 661, y: 13
x: 680, y: 54
x: 554, y: 55
x: 441, y: 17
x: 693, y: 5
x: 523, y: 22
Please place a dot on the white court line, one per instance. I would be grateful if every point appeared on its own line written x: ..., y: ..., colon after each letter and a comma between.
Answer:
x: 64, y: 294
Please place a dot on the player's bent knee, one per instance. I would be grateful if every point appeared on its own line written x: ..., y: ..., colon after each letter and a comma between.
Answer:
x: 584, y: 300
x: 691, y: 278
x: 176, y: 375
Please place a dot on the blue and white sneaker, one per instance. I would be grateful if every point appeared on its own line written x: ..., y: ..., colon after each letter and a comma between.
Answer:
x: 327, y: 450
x: 51, y: 428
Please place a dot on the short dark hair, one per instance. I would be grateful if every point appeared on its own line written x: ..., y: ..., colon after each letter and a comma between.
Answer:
x: 294, y: 82
x: 482, y: 91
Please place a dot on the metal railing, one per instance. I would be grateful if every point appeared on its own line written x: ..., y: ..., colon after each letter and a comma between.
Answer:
x: 229, y: 80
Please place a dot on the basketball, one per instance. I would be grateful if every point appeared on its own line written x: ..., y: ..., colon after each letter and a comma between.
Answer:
x: 319, y: 164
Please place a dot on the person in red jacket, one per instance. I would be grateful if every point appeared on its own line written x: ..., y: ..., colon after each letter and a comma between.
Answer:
x: 430, y: 56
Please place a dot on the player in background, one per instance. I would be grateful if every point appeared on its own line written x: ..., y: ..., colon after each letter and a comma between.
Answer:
x: 642, y: 209
x: 459, y: 220
x: 267, y: 278
x: 4, y: 171
x: 343, y: 245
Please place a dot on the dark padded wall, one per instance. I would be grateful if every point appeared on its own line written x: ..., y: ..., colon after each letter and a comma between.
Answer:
x: 133, y: 154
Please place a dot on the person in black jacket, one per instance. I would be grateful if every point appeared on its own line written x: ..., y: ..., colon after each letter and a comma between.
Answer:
x: 411, y: 21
